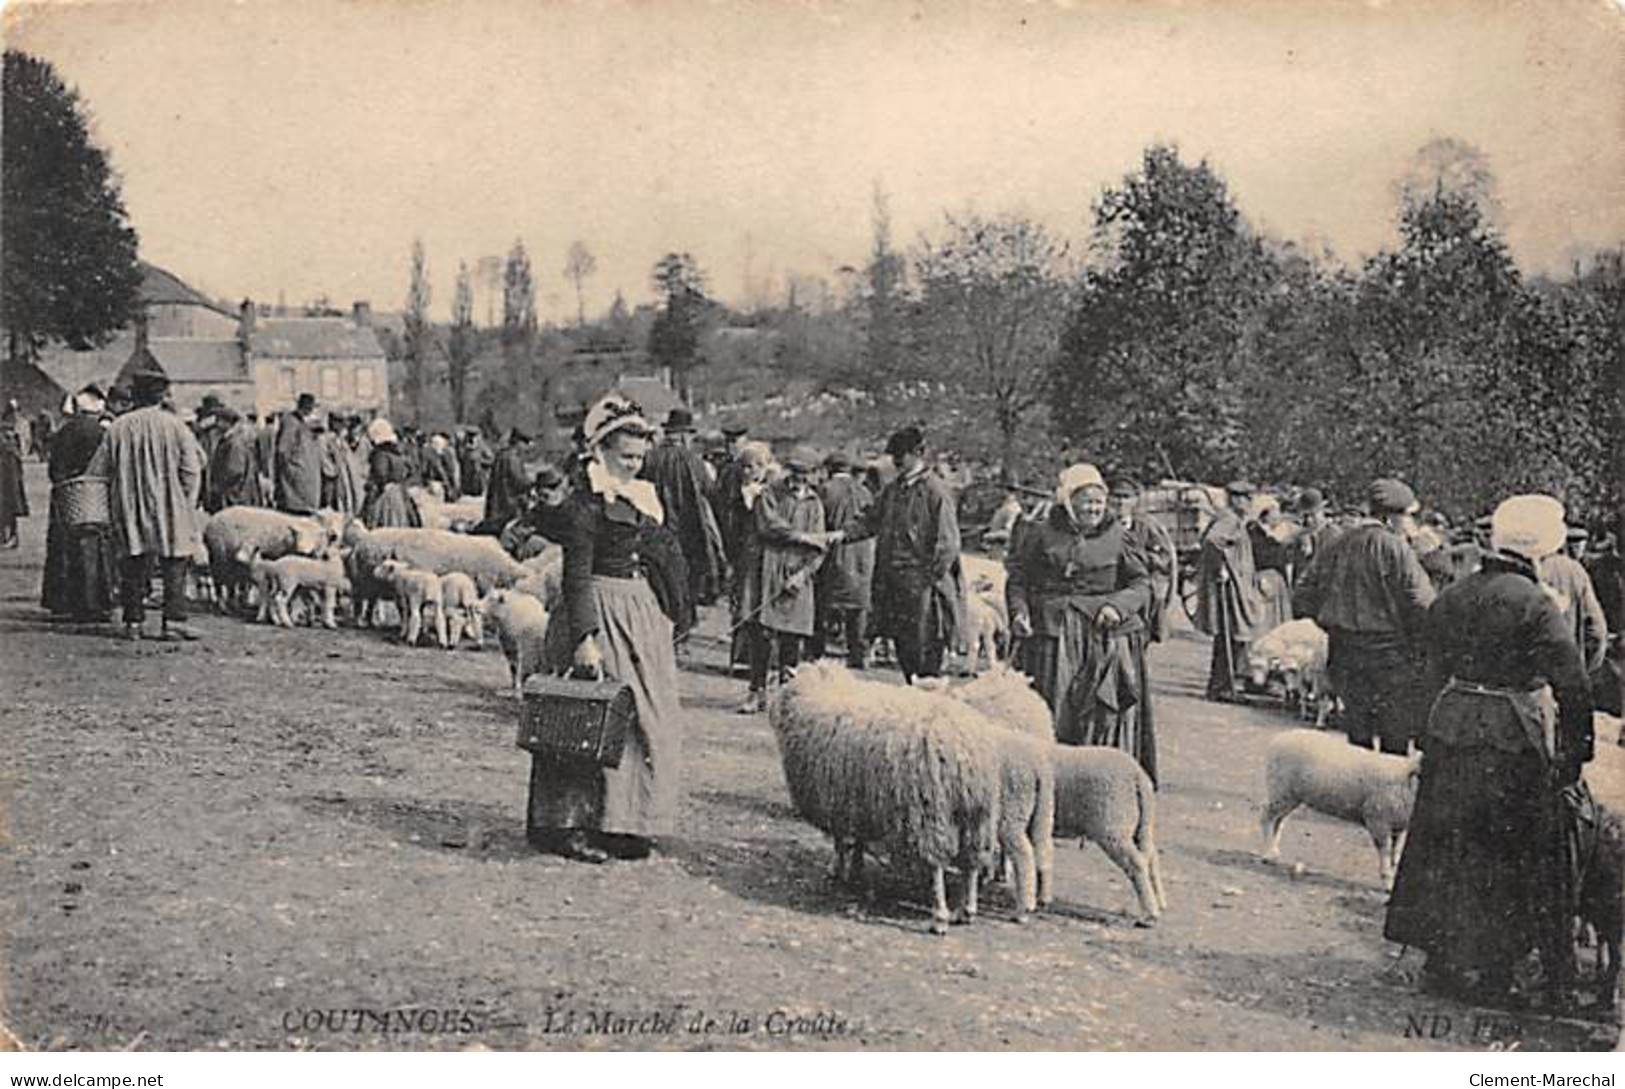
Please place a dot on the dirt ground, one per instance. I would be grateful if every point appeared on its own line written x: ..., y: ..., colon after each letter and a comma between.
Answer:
x: 312, y: 839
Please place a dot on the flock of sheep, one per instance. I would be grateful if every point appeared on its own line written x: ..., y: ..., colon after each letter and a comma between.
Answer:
x: 965, y: 780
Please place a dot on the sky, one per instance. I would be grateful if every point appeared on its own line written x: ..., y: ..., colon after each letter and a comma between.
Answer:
x: 295, y: 149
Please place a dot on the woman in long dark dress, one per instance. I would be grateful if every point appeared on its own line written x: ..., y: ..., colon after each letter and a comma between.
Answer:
x: 612, y: 620
x: 13, y: 500
x: 1077, y: 593
x: 1485, y: 877
x: 390, y: 472
x: 79, y: 573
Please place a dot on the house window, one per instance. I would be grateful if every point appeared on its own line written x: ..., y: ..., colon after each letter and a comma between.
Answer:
x: 286, y: 379
x: 364, y: 378
x: 330, y: 383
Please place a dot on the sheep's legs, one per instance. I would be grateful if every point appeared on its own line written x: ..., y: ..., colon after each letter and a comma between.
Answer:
x: 412, y: 616
x: 330, y: 607
x: 1024, y: 861
x: 454, y: 629
x: 1388, y: 847
x: 939, y: 901
x: 1153, y: 862
x: 1275, y: 815
x: 969, y: 904
x: 1132, y: 861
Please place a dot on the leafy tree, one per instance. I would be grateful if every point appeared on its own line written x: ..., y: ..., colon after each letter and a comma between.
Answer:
x: 578, y: 266
x: 1148, y: 376
x: 69, y: 267
x: 883, y: 302
x: 519, y: 328
x: 463, y: 344
x: 992, y: 301
x: 674, y: 339
x: 418, y: 331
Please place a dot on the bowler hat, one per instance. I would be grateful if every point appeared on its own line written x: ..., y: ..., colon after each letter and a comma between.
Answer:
x: 1310, y: 499
x: 1390, y: 496
x: 908, y: 440
x: 679, y: 419
x: 305, y: 404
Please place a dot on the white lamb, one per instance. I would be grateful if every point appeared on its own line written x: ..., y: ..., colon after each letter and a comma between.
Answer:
x: 921, y: 774
x: 989, y: 632
x: 416, y: 592
x: 282, y: 579
x: 254, y: 531
x: 521, y: 624
x: 1101, y: 793
x: 460, y: 599
x: 1330, y: 776
x: 436, y: 551
x: 1295, y: 653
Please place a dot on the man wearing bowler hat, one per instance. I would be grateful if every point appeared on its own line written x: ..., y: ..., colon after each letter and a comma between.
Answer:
x: 298, y: 476
x: 154, y: 469
x: 1370, y: 594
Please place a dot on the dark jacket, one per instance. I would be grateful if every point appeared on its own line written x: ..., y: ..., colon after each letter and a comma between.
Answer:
x: 1058, y: 570
x: 298, y: 467
x: 505, y: 492
x: 1369, y: 583
x: 617, y: 540
x: 233, y: 478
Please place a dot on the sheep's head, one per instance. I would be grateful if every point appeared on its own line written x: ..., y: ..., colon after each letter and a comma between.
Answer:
x: 246, y: 555
x: 306, y: 541
x: 390, y: 570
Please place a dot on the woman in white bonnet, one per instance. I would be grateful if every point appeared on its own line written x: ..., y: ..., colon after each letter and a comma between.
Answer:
x: 1485, y: 878
x: 611, y: 619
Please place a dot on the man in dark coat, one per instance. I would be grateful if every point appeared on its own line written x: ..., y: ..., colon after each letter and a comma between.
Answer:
x: 919, y: 588
x: 732, y: 518
x: 233, y: 477
x: 299, y: 459
x: 844, y: 581
x: 678, y: 474
x: 1229, y: 604
x: 475, y: 459
x: 1485, y: 877
x: 1319, y: 531
x: 1370, y: 594
x: 1156, y: 548
x: 509, y: 483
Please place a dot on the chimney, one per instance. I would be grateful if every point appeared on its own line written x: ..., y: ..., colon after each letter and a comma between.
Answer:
x: 141, y: 332
x: 362, y: 310
x: 245, y: 321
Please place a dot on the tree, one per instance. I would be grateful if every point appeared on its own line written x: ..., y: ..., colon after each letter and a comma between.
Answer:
x: 884, y: 285
x: 579, y: 265
x: 463, y: 343
x: 674, y: 339
x: 519, y: 322
x: 1149, y: 373
x: 69, y: 266
x: 418, y: 333
x: 992, y: 302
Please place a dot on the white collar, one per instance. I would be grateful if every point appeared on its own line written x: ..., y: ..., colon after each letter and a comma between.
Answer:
x: 640, y: 493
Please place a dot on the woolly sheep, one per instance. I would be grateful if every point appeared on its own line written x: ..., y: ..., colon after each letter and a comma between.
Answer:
x: 460, y: 599
x: 919, y: 773
x: 1296, y: 653
x: 455, y: 516
x: 1330, y: 776
x: 250, y: 531
x: 545, y: 577
x: 521, y: 624
x: 1006, y: 700
x: 436, y: 551
x: 987, y: 630
x: 416, y: 591
x: 1101, y: 794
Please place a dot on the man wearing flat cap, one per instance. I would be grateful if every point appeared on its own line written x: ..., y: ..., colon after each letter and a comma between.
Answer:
x: 1156, y: 548
x: 678, y: 473
x: 1486, y: 876
x: 154, y: 469
x: 1229, y: 605
x: 1571, y: 586
x: 844, y: 581
x: 298, y: 477
x: 1369, y: 592
x: 918, y: 587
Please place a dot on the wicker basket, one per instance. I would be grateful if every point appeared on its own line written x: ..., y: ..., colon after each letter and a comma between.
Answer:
x: 83, y: 500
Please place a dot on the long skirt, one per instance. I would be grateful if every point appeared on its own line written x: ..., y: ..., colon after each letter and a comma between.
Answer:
x: 80, y: 578
x: 640, y: 796
x: 1484, y: 876
x: 1123, y: 720
x: 393, y: 506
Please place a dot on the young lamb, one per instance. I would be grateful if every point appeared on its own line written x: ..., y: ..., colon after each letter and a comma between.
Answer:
x: 988, y: 630
x: 436, y: 551
x: 1101, y: 794
x: 248, y: 531
x: 1295, y: 652
x: 415, y: 592
x: 1330, y: 776
x: 281, y: 579
x: 521, y: 624
x: 919, y: 773
x: 464, y: 610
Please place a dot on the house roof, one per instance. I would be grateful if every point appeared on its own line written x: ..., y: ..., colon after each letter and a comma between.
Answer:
x: 191, y: 360
x: 314, y: 338
x: 160, y: 286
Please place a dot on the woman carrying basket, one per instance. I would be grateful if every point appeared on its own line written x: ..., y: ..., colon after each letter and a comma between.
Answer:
x: 611, y: 620
x: 79, y: 574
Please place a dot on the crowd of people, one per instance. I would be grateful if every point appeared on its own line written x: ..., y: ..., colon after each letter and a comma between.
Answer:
x: 1486, y: 648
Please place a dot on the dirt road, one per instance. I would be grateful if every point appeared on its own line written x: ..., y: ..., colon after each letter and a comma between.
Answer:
x: 305, y: 839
